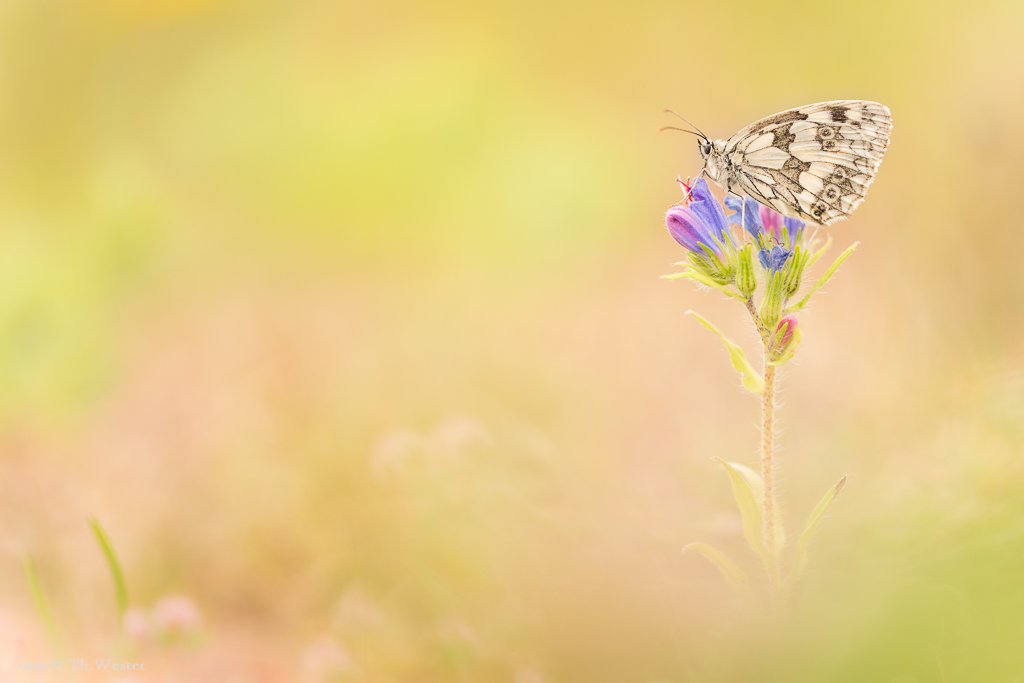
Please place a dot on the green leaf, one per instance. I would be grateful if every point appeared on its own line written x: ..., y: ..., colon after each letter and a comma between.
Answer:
x: 756, y: 483
x: 812, y: 523
x: 752, y: 381
x: 734, y: 575
x: 35, y: 588
x: 120, y: 587
x: 704, y: 280
x: 749, y: 510
x: 823, y: 279
x: 817, y: 254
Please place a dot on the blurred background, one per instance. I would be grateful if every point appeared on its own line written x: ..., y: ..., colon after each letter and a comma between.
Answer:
x: 345, y: 321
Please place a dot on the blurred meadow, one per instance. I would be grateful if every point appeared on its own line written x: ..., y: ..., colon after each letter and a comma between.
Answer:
x: 344, y: 320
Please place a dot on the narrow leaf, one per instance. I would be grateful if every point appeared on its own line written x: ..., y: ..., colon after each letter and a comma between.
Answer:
x: 734, y: 575
x: 823, y: 279
x: 817, y: 254
x: 812, y: 523
x: 756, y: 482
x: 704, y: 280
x: 35, y: 588
x: 120, y: 587
x: 749, y: 510
x: 752, y: 381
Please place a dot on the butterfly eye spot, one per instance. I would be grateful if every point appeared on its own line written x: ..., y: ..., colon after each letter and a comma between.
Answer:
x: 826, y: 132
x: 831, y: 193
x: 828, y: 144
x: 839, y: 175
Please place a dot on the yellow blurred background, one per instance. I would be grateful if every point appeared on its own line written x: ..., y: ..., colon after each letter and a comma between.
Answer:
x: 345, y: 321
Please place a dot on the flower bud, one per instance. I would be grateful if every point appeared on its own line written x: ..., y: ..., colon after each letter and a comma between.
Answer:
x: 746, y: 280
x: 784, y: 341
x: 795, y: 271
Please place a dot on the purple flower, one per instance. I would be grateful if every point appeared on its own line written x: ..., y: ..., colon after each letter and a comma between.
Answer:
x: 760, y: 219
x: 700, y: 222
x: 775, y: 258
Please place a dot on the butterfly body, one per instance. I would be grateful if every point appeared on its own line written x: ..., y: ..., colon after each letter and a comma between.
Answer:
x: 813, y: 162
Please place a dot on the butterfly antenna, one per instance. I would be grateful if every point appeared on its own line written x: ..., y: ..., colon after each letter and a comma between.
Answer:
x: 681, y: 130
x: 699, y: 131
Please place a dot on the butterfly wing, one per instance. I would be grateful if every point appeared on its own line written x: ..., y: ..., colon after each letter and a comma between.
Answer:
x: 815, y: 162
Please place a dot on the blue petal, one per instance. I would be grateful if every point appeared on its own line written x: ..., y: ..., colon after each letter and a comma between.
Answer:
x: 793, y: 227
x: 774, y: 259
x: 752, y: 219
x: 709, y: 211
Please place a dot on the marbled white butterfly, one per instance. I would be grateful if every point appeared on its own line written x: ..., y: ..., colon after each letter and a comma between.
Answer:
x: 815, y: 162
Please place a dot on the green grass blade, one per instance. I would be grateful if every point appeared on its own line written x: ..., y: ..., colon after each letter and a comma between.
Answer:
x: 734, y: 575
x: 120, y: 587
x: 817, y: 514
x: 35, y: 588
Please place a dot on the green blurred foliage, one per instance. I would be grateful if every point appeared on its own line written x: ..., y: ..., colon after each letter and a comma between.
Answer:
x: 345, y: 318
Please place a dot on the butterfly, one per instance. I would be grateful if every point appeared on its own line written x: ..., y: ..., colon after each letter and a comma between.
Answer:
x: 813, y: 162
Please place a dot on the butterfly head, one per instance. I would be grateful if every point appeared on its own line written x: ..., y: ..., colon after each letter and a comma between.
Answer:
x: 704, y: 145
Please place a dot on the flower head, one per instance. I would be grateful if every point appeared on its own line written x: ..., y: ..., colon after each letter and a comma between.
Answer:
x: 699, y: 222
x: 774, y: 222
x: 775, y: 258
x: 759, y: 219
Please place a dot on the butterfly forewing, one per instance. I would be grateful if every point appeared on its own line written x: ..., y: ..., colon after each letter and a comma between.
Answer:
x: 815, y: 162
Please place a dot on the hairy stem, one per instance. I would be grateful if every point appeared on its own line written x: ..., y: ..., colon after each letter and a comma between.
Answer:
x: 767, y: 433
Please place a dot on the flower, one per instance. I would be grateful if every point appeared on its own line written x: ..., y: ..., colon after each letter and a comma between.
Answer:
x: 700, y: 222
x: 774, y: 222
x: 775, y: 258
x: 748, y: 209
x: 759, y: 219
x: 784, y: 342
x: 176, y: 615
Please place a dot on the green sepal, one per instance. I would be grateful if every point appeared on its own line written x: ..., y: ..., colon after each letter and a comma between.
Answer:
x: 794, y: 271
x: 771, y: 304
x: 790, y: 350
x: 746, y: 279
x: 756, y: 483
x: 736, y: 577
x: 823, y: 279
x: 751, y: 379
x: 749, y: 511
x: 812, y: 523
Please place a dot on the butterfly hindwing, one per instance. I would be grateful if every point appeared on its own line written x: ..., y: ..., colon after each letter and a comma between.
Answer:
x: 816, y: 161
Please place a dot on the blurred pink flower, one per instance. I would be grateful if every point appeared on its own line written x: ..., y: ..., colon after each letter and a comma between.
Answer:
x: 137, y: 625
x: 176, y: 615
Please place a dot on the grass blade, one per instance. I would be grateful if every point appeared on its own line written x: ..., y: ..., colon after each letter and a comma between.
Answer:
x: 120, y: 587
x: 35, y: 588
